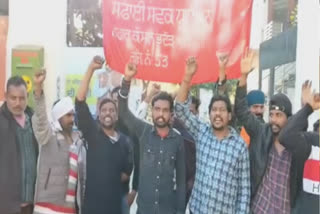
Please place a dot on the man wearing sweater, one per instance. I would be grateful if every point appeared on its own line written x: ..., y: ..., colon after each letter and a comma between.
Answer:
x: 107, y: 157
x: 297, y: 140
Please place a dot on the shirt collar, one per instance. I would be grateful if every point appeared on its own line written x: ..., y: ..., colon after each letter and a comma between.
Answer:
x: 170, y: 134
x: 232, y: 132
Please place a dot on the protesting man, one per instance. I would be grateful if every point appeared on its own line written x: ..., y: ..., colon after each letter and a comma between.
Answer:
x: 222, y: 183
x: 61, y: 170
x: 18, y: 151
x: 255, y: 100
x: 299, y: 142
x: 189, y: 146
x: 162, y: 168
x: 128, y: 197
x: 273, y: 167
x: 107, y: 156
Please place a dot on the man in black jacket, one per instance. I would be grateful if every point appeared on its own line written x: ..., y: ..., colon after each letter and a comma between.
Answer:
x: 18, y: 151
x: 162, y: 155
x: 273, y: 167
x: 108, y: 151
x: 298, y: 141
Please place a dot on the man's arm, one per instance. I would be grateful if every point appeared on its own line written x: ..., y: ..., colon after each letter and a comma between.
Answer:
x: 128, y: 166
x: 241, y: 108
x: 85, y: 121
x: 221, y: 86
x: 243, y: 174
x: 182, y: 105
x: 40, y: 123
x: 143, y: 107
x: 135, y: 125
x: 181, y: 179
x: 291, y: 136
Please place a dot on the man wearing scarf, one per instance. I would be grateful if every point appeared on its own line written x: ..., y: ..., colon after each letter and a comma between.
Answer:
x: 61, y: 169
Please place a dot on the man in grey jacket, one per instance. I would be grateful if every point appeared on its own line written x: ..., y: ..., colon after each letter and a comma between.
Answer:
x: 61, y: 170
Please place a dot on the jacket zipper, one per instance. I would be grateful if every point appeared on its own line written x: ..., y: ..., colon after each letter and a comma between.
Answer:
x: 47, y: 180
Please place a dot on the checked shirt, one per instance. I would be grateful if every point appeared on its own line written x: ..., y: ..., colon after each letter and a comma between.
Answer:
x: 222, y: 183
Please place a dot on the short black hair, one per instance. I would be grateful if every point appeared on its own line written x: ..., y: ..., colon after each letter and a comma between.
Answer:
x: 15, y: 81
x: 163, y: 96
x: 196, y: 102
x: 115, y: 90
x: 221, y: 98
x: 107, y: 100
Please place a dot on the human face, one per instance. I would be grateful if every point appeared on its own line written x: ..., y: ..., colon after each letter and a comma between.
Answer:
x: 16, y: 98
x: 258, y: 110
x: 108, y: 115
x: 161, y: 114
x: 193, y: 109
x: 219, y: 115
x: 278, y: 120
x: 66, y: 121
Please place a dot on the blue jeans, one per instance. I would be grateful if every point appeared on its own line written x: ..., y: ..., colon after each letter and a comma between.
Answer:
x: 124, y: 205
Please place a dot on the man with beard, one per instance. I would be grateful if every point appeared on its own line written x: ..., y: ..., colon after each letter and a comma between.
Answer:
x: 222, y: 183
x: 61, y: 168
x: 106, y: 159
x: 18, y: 151
x: 162, y: 168
x: 297, y: 140
x: 256, y: 101
x: 273, y: 167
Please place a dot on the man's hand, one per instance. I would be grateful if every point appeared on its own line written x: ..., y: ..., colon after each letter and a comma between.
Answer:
x: 38, y: 80
x: 154, y: 91
x: 307, y: 96
x: 247, y: 62
x: 223, y: 61
x: 131, y: 197
x: 130, y: 71
x: 306, y: 92
x: 124, y: 177
x: 39, y: 77
x: 191, y: 68
x: 316, y: 102
x: 96, y: 63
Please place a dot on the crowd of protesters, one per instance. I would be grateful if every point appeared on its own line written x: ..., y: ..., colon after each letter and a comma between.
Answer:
x: 74, y: 162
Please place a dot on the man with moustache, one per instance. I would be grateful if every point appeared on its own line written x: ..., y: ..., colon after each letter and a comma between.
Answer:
x: 222, y: 182
x: 18, y: 151
x: 61, y: 168
x: 256, y: 101
x: 107, y: 157
x: 162, y: 168
x: 273, y: 167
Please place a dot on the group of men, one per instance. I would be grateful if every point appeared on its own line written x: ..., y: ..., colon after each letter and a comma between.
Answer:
x: 49, y: 166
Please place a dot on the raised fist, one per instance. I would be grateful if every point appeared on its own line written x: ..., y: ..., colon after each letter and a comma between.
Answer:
x: 130, y: 71
x: 192, y: 66
x: 96, y: 63
x: 39, y: 76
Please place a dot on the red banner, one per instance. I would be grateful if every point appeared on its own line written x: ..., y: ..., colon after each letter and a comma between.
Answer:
x: 160, y: 35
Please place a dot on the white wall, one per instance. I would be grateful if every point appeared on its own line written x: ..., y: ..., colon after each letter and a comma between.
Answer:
x: 40, y: 22
x: 308, y: 46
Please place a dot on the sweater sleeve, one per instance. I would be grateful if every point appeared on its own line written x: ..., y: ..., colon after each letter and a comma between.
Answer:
x: 40, y: 123
x: 292, y: 136
x: 134, y: 124
x: 86, y: 124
